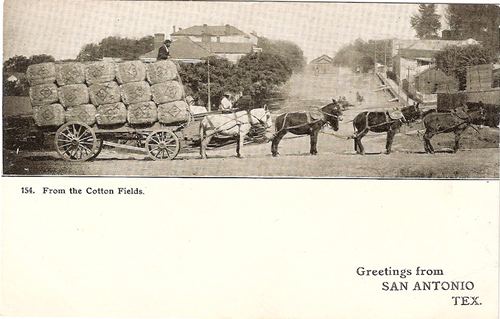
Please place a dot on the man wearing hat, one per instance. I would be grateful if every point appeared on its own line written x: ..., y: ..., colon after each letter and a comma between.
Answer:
x: 164, y: 50
x: 225, y: 103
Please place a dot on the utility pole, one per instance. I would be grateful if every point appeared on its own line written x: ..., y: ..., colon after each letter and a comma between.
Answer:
x: 385, y: 56
x: 208, y: 83
x: 407, y: 81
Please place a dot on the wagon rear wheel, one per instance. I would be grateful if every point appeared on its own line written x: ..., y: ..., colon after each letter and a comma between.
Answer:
x: 76, y: 142
x: 162, y: 145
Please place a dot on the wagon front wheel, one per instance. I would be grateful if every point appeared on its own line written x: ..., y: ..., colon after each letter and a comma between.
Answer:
x: 162, y: 145
x: 76, y: 142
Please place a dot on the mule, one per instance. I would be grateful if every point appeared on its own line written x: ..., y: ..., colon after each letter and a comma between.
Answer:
x: 456, y: 122
x: 306, y: 123
x: 380, y: 122
x: 231, y: 125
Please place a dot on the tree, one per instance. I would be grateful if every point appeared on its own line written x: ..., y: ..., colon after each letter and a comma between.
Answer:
x: 41, y: 58
x: 195, y: 79
x: 290, y: 52
x: 18, y: 63
x: 257, y: 75
x: 261, y: 74
x: 454, y: 61
x: 362, y: 54
x: 426, y: 23
x: 477, y: 21
x: 116, y: 47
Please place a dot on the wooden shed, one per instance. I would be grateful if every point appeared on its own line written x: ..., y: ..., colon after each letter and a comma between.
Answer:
x: 432, y: 80
x: 479, y: 77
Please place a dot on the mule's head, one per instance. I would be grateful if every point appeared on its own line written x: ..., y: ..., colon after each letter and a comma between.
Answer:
x: 478, y: 116
x: 412, y: 113
x: 261, y: 117
x: 332, y: 113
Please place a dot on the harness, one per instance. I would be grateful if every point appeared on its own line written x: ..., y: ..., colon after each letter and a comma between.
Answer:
x: 309, y: 118
x: 236, y: 120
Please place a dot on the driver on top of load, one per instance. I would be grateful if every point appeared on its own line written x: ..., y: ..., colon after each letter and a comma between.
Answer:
x: 164, y: 50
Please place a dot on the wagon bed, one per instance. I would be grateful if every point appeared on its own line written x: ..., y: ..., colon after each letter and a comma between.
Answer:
x: 77, y: 141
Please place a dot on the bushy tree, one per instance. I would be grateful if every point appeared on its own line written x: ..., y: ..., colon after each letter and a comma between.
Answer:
x: 362, y: 54
x: 426, y: 23
x: 20, y: 63
x: 290, y: 52
x: 116, y: 47
x: 257, y: 75
x: 195, y: 79
x: 454, y: 61
x: 477, y: 21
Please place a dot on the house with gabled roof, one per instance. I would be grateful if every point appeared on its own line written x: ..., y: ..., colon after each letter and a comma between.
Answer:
x: 322, y: 65
x: 198, y: 42
x: 205, y: 33
x: 409, y: 55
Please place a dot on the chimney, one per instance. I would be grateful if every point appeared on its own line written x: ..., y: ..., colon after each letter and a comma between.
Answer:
x: 174, y: 28
x: 228, y: 29
x: 158, y: 41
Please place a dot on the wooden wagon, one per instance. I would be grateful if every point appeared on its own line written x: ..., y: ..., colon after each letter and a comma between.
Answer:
x: 77, y: 141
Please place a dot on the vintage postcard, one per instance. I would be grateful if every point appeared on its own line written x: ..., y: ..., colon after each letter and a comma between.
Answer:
x: 324, y: 160
x: 251, y: 89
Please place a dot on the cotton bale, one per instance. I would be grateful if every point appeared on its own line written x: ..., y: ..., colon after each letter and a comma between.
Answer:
x: 82, y: 113
x: 142, y: 113
x: 161, y: 71
x: 167, y: 92
x: 130, y: 71
x: 49, y: 115
x: 173, y: 112
x: 42, y: 73
x: 99, y: 72
x: 110, y: 114
x: 135, y: 92
x: 43, y: 94
x: 70, y: 73
x: 104, y: 93
x: 73, y: 95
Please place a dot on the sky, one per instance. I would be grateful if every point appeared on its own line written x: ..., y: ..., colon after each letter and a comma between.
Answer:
x: 62, y: 27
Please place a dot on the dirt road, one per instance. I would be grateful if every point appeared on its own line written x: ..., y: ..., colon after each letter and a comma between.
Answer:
x: 479, y: 157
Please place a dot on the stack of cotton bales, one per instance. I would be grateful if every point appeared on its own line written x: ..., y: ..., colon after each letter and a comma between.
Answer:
x: 44, y: 96
x: 105, y: 93
x: 167, y: 92
x: 136, y: 93
x: 74, y: 94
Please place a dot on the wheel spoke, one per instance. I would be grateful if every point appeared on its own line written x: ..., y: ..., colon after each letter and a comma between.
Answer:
x: 79, y: 131
x: 86, y: 148
x: 168, y: 152
x: 154, y: 138
x: 69, y: 137
x: 65, y: 145
x: 154, y: 149
x: 86, y: 138
x: 163, y: 153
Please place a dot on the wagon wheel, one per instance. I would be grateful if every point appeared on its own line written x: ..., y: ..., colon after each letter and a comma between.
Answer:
x: 98, y: 149
x: 162, y: 144
x: 76, y: 141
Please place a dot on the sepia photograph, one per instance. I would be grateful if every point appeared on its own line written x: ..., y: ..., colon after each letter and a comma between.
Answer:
x: 251, y: 89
